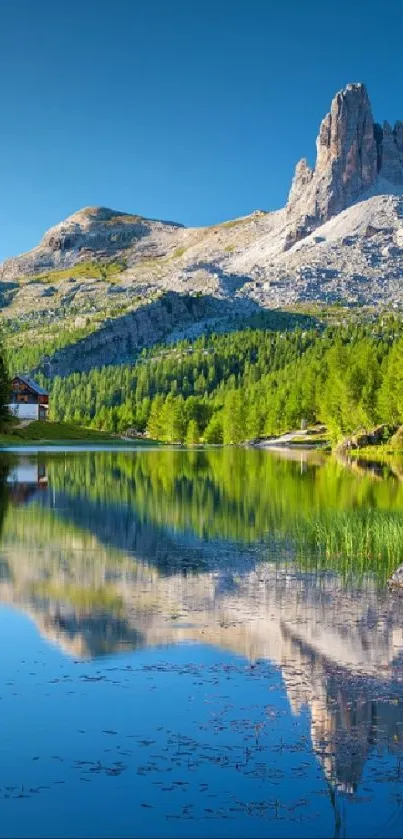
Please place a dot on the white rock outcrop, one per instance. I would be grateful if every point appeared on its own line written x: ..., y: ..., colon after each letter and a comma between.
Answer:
x: 351, y: 152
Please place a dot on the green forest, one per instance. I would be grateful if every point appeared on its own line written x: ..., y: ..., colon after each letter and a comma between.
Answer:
x: 227, y: 388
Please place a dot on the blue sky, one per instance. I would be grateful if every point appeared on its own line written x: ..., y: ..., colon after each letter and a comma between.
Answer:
x: 192, y: 111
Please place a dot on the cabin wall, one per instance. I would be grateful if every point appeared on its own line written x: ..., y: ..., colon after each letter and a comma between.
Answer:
x: 24, y: 410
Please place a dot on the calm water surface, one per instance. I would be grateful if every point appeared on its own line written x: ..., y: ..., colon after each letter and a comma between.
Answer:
x: 199, y: 644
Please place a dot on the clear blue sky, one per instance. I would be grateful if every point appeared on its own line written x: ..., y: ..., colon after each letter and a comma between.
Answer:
x: 192, y: 111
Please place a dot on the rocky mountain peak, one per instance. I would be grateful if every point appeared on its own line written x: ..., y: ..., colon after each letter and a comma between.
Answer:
x: 93, y: 229
x: 97, y: 214
x: 390, y: 151
x: 351, y: 202
x: 92, y: 218
x: 351, y: 153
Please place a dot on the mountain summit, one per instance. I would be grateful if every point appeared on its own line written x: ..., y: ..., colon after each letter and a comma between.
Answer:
x: 339, y: 238
x: 353, y: 155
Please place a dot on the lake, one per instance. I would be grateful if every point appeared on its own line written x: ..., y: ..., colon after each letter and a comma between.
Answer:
x: 200, y: 643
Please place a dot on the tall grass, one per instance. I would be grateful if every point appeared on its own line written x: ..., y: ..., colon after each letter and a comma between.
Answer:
x: 352, y: 542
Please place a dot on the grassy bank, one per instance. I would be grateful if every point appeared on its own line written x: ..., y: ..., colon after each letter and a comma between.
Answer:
x: 384, y: 452
x: 38, y: 432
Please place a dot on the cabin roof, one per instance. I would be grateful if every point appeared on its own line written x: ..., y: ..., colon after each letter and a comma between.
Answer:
x: 31, y: 384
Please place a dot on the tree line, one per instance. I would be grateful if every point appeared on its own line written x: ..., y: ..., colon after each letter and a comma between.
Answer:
x: 245, y: 384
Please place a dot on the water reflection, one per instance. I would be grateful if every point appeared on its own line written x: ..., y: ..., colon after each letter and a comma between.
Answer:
x: 25, y: 477
x: 111, y: 551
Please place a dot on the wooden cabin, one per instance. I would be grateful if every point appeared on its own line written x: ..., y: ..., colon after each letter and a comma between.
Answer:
x: 29, y: 401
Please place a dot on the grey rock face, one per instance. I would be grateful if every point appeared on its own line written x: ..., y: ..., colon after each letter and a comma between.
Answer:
x: 346, y: 161
x: 352, y: 151
x: 119, y: 339
x: 302, y: 178
x: 390, y: 143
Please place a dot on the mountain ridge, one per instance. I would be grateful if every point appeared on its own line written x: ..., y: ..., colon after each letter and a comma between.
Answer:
x: 339, y: 239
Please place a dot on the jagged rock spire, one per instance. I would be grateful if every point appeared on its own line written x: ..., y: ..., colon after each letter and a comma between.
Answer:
x: 352, y: 151
x: 390, y: 151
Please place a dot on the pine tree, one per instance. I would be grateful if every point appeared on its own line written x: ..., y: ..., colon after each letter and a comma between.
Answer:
x: 214, y: 431
x: 192, y: 433
x: 233, y: 424
x: 5, y: 387
x: 155, y: 428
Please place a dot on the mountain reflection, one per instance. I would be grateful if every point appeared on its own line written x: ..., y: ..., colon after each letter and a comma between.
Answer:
x: 112, y: 551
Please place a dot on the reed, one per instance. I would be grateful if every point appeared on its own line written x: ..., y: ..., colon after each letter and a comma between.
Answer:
x: 352, y: 542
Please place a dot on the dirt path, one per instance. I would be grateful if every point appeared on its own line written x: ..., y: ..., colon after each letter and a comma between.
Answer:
x: 282, y: 440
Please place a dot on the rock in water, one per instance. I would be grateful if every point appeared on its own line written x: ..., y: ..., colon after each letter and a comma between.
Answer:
x: 396, y: 580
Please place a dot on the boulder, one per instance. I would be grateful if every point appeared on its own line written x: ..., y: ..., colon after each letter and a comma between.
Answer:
x: 376, y: 437
x: 397, y: 439
x: 396, y: 580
